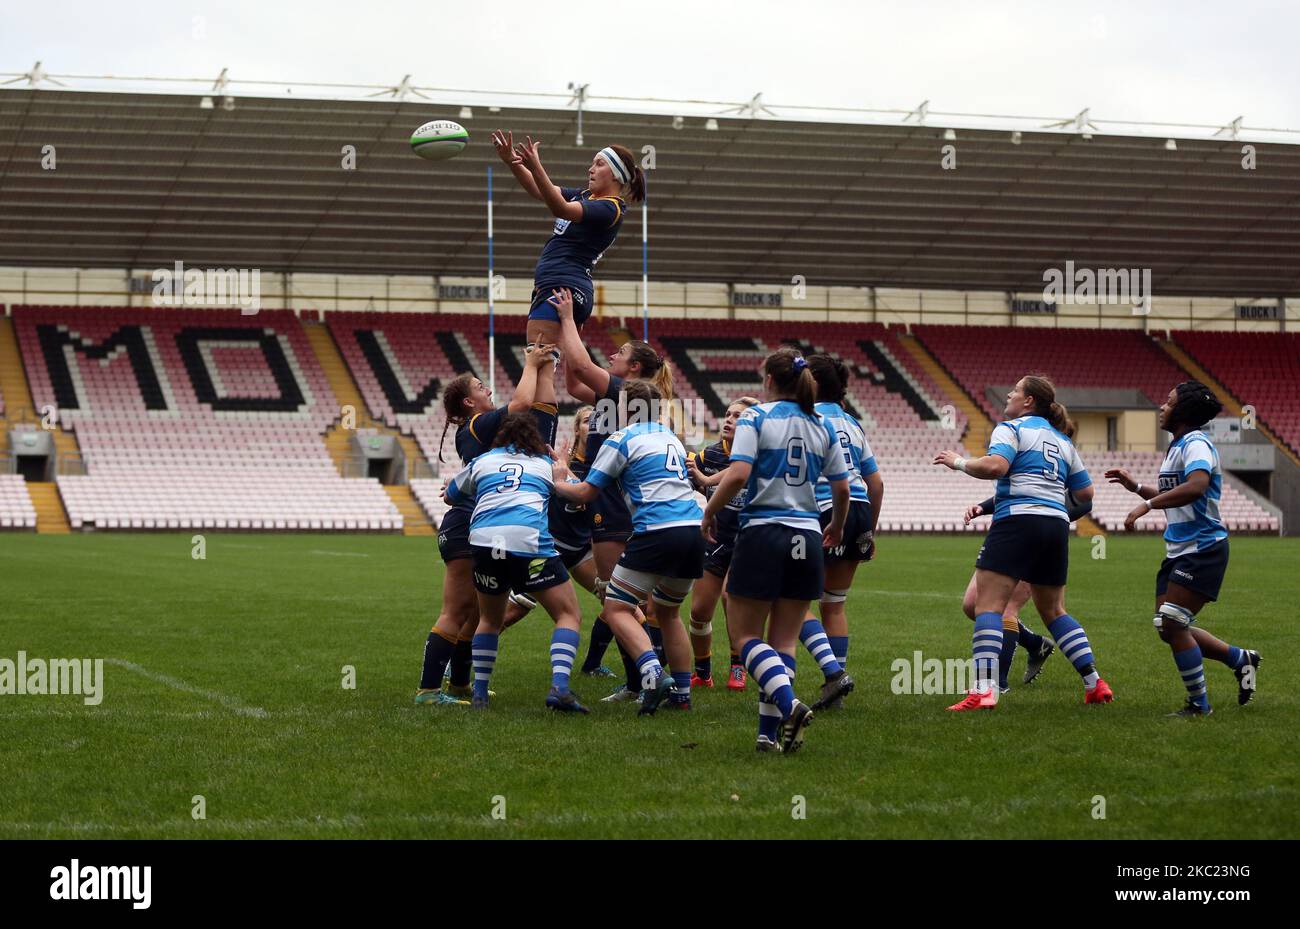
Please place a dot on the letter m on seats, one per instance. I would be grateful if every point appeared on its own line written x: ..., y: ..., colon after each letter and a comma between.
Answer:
x: 59, y: 348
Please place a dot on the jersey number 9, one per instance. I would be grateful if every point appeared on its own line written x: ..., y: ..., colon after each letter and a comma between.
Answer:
x: 796, y: 462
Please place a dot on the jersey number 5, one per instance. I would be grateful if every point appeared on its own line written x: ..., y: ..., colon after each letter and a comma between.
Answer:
x: 1053, y: 455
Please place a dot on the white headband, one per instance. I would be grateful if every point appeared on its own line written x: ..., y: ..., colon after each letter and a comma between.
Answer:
x: 615, y: 163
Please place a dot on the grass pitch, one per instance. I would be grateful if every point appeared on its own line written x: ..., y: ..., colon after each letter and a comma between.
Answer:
x: 226, y: 683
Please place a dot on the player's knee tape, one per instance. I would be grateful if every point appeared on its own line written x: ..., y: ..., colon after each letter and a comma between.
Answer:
x: 668, y: 596
x: 701, y: 631
x: 601, y: 586
x: 835, y: 596
x: 630, y: 586
x: 1177, y: 617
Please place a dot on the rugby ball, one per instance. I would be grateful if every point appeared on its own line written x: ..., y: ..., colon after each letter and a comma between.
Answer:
x: 439, y: 140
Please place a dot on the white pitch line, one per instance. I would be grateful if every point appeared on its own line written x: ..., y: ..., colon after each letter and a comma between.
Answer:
x: 225, y: 700
x: 928, y: 594
x: 321, y: 551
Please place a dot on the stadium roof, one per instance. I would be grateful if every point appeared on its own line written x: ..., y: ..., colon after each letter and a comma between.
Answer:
x: 144, y: 180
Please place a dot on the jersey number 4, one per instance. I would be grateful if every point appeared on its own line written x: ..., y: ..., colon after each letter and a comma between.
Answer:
x: 673, y: 462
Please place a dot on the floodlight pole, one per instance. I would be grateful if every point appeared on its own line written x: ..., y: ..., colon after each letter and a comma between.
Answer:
x: 645, y: 273
x: 492, y: 334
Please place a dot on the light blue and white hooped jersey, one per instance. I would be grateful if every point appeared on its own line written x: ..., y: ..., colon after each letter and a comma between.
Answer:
x: 857, y: 451
x: 789, y: 450
x: 510, y: 491
x: 1044, y: 465
x: 1196, y: 526
x: 649, y: 462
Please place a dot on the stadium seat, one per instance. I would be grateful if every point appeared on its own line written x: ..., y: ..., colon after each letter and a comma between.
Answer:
x: 190, y: 417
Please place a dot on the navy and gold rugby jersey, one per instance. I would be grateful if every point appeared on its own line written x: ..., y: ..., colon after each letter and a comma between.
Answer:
x: 574, y: 247
x: 715, y: 458
x: 604, y: 418
x: 475, y: 436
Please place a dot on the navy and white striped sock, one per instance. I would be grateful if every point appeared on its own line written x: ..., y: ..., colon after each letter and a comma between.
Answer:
x: 650, y: 669
x: 564, y: 651
x: 986, y: 648
x: 813, y: 636
x: 1192, y: 668
x: 1073, y: 643
x: 484, y: 651
x: 768, y: 669
x: 840, y: 645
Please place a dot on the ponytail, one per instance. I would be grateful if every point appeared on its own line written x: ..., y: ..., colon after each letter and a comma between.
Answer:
x: 634, y: 189
x: 453, y: 404
x: 805, y: 391
x: 1059, y: 417
x: 790, y: 373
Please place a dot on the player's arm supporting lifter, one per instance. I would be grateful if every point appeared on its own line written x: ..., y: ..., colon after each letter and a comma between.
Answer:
x: 585, y: 380
x: 526, y: 390
x: 549, y: 193
x: 505, y: 145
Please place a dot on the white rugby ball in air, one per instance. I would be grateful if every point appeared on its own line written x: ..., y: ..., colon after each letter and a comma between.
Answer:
x: 439, y: 140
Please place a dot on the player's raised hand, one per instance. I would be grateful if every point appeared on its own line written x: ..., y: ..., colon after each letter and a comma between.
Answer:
x: 971, y: 512
x: 505, y: 145
x: 537, y: 355
x: 947, y: 459
x: 1123, y: 478
x: 562, y: 300
x: 528, y: 153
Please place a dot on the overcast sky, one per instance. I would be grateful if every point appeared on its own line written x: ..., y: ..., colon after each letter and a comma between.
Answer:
x: 1193, y: 61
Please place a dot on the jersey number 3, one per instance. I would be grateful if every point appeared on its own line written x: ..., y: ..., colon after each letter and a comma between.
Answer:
x: 513, y: 473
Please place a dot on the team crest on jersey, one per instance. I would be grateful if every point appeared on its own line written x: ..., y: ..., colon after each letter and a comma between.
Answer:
x: 598, y: 519
x: 560, y: 226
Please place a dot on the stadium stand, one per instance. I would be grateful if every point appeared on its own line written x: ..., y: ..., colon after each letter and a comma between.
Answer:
x: 402, y: 360
x: 16, y: 510
x: 978, y: 357
x: 193, y: 419
x: 1261, y: 369
x: 1112, y: 503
